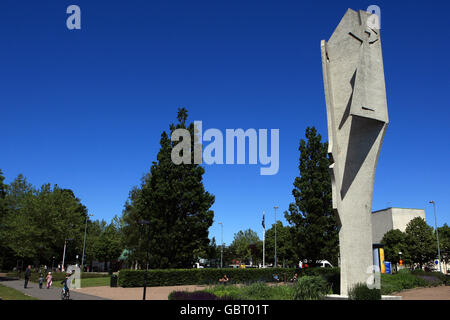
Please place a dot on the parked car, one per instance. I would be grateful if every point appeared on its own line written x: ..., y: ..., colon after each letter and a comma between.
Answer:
x: 318, y: 264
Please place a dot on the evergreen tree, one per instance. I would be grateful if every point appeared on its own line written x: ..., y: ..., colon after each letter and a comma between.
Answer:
x: 315, y: 230
x: 175, y: 203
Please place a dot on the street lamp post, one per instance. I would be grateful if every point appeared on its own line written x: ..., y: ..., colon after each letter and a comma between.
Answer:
x: 84, y: 242
x: 275, y: 208
x: 64, y: 252
x: 221, y: 246
x: 437, y: 235
x: 146, y: 222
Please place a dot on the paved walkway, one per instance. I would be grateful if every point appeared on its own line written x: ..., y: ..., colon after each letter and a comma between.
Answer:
x: 53, y: 293
x: 152, y: 293
x: 436, y: 293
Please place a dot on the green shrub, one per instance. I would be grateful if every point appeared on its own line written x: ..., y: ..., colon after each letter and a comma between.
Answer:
x: 310, y: 288
x: 406, y: 279
x: 255, y: 291
x: 258, y: 291
x: 361, y: 292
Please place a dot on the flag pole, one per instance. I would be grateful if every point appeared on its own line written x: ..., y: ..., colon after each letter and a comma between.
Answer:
x: 264, y: 241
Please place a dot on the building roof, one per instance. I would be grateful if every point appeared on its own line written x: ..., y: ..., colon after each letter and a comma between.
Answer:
x: 396, y: 208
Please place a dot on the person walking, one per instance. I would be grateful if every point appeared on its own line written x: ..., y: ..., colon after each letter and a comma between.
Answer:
x: 49, y: 280
x: 41, y: 280
x: 27, y: 276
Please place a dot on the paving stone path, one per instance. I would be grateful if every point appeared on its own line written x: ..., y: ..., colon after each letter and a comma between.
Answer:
x: 53, y: 293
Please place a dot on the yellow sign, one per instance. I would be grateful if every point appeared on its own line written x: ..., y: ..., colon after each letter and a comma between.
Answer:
x: 382, y: 266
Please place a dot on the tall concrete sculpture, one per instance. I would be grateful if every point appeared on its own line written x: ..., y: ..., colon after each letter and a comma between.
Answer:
x: 357, y: 115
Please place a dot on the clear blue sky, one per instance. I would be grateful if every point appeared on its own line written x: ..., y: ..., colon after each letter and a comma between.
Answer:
x: 85, y: 109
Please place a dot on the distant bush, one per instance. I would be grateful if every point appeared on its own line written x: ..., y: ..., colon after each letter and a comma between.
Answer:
x: 311, y: 288
x: 362, y: 292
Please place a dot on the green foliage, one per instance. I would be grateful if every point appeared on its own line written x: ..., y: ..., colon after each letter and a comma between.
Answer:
x: 210, y: 276
x: 108, y: 246
x: 394, y: 242
x: 254, y: 291
x: 315, y: 229
x: 420, y: 242
x: 286, y: 252
x: 405, y: 279
x: 311, y: 288
x: 444, y: 240
x: 39, y: 220
x: 247, y: 246
x: 173, y: 199
x: 35, y: 222
x: 331, y: 275
x: 361, y: 292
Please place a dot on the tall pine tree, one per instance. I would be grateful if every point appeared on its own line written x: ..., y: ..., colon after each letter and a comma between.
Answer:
x: 174, y: 201
x: 315, y: 231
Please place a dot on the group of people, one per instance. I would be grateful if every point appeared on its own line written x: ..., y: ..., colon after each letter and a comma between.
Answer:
x: 48, y: 278
x: 277, y: 278
x: 224, y: 279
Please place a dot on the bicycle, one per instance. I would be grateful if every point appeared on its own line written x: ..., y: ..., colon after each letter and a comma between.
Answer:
x: 65, y: 295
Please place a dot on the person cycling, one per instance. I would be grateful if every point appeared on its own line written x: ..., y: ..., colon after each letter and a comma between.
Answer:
x: 65, y: 282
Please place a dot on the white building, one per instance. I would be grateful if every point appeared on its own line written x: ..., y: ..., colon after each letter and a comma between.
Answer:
x: 392, y: 218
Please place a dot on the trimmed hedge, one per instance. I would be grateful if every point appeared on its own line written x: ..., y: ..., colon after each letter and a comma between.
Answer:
x: 207, y: 276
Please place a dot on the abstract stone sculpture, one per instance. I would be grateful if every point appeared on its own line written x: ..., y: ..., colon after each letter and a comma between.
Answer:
x: 357, y: 115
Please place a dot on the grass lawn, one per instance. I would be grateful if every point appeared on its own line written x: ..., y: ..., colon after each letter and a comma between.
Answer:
x: 7, y: 293
x: 89, y: 282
